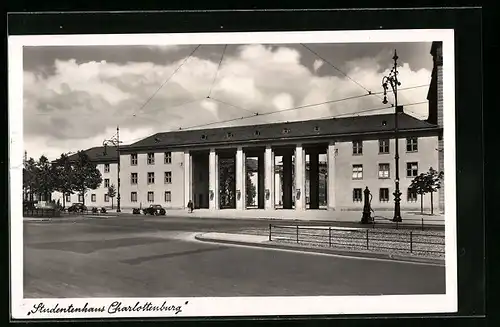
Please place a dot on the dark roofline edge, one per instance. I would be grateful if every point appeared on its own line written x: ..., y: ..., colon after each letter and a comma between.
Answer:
x: 435, y: 131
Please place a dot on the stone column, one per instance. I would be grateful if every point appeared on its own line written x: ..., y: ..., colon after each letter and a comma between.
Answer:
x: 287, y: 181
x: 188, y: 178
x: 213, y: 168
x: 314, y: 179
x: 260, y: 182
x: 331, y: 176
x: 300, y: 178
x: 269, y: 177
x: 240, y: 179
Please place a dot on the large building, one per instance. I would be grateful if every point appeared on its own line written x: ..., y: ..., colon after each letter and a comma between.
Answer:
x: 309, y: 165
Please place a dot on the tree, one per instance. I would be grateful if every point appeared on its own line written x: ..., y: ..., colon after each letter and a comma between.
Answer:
x: 29, y: 178
x: 86, y: 175
x: 112, y: 193
x: 227, y: 182
x: 45, y: 177
x: 250, y: 189
x: 64, y: 176
x: 433, y: 181
x: 419, y: 186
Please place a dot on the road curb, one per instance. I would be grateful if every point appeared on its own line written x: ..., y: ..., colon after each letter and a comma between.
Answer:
x: 368, y: 255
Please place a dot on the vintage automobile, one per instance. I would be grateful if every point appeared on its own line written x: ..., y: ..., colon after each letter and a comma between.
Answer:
x: 77, y: 207
x: 154, y: 209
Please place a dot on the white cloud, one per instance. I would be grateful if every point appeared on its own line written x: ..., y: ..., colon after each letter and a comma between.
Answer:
x: 81, y: 103
x: 317, y: 64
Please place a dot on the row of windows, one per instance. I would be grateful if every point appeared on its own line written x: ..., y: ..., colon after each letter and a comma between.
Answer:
x: 134, y: 178
x: 384, y: 170
x: 151, y: 196
x: 383, y: 146
x: 167, y: 158
x: 93, y: 198
x: 357, y: 195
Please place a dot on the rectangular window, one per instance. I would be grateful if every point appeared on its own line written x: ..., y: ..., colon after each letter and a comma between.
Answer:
x: 384, y: 195
x: 80, y: 198
x: 168, y: 157
x: 357, y: 195
x: 168, y: 177
x: 133, y: 159
x: 93, y: 198
x: 68, y: 198
x: 357, y: 171
x: 151, y: 178
x: 151, y: 158
x: 133, y: 178
x: 106, y: 168
x: 411, y: 169
x: 383, y: 170
x: 168, y: 196
x: 383, y: 146
x: 106, y: 182
x: 133, y: 197
x: 151, y: 197
x: 412, y: 195
x: 411, y: 144
x: 106, y: 198
x: 357, y: 147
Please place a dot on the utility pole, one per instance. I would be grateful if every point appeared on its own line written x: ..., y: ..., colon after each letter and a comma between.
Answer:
x: 115, y: 141
x: 392, y: 80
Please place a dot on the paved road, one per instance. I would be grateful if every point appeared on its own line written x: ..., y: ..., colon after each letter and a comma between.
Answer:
x: 150, y: 256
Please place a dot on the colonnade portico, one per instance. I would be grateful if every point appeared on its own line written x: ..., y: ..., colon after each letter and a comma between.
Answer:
x: 231, y: 193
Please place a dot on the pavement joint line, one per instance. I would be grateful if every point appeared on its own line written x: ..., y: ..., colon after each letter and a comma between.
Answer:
x: 318, y: 251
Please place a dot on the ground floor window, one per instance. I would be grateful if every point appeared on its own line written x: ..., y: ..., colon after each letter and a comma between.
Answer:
x: 80, y: 198
x: 133, y: 197
x: 151, y: 197
x: 106, y: 198
x: 168, y: 196
x: 384, y: 195
x: 412, y: 195
x: 357, y: 195
x: 68, y: 198
x: 93, y: 198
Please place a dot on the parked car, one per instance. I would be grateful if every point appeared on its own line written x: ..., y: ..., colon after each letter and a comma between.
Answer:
x: 77, y: 207
x: 155, y: 209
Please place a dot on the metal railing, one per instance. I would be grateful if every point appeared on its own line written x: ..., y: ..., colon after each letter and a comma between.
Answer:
x: 408, y: 223
x: 41, y: 212
x: 415, y: 242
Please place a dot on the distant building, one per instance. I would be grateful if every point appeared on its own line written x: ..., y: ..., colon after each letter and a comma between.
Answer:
x: 107, y: 164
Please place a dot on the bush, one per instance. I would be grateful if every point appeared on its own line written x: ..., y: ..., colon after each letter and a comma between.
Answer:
x: 94, y: 210
x: 103, y: 210
x: 136, y: 211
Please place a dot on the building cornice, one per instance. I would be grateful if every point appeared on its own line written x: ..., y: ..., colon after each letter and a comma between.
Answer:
x: 430, y: 131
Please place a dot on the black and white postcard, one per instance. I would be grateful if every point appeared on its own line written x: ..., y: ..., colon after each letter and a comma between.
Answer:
x: 232, y: 174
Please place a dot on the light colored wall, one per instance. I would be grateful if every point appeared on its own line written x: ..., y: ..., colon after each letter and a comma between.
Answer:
x: 159, y: 187
x: 427, y: 156
x: 99, y: 192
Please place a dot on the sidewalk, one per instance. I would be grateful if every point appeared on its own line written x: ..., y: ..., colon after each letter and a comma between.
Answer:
x: 307, y: 215
x: 263, y: 242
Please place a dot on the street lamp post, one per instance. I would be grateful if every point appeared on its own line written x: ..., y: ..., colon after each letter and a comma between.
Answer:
x: 115, y: 141
x: 392, y: 80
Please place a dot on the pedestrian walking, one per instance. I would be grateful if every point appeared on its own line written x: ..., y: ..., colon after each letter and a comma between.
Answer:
x: 190, y: 206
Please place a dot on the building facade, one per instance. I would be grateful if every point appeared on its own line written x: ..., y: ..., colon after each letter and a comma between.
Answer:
x: 107, y: 163
x: 310, y: 165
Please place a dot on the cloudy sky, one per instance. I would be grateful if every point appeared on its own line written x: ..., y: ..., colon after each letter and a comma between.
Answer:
x: 74, y: 97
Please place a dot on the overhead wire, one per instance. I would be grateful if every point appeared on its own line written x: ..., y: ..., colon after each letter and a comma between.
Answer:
x: 168, y: 79
x: 289, y: 109
x: 217, y: 71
